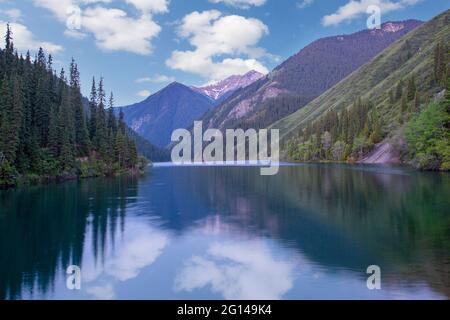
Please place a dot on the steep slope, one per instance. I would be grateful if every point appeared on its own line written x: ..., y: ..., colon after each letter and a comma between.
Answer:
x: 304, y: 76
x: 148, y: 150
x: 412, y: 57
x: 223, y: 89
x: 176, y: 106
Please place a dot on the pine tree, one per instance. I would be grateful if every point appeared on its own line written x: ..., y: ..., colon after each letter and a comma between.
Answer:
x: 399, y: 90
x: 446, y: 100
x: 112, y: 122
x: 120, y: 149
x: 93, y: 111
x: 411, y: 88
x: 122, y: 124
x: 44, y: 127
x: 417, y: 102
x: 440, y: 62
x: 66, y: 134
x: 81, y: 132
x: 403, y: 107
x: 101, y: 138
x: 5, y: 107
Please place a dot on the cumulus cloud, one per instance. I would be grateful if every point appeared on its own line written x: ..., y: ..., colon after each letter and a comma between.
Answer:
x: 355, y: 8
x: 224, y: 45
x: 113, y: 29
x: 244, y: 4
x: 57, y: 7
x: 25, y: 40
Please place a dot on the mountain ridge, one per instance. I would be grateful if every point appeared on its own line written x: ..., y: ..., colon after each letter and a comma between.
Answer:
x: 304, y: 76
x: 173, y: 107
x: 391, y: 89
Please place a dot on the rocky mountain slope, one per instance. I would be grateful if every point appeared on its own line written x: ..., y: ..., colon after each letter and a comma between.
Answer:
x: 304, y: 76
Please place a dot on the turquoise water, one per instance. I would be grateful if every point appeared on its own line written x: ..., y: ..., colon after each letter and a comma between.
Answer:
x: 228, y: 233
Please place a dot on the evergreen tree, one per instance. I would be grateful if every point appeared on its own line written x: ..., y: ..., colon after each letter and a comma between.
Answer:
x: 399, y: 90
x: 44, y: 126
x: 101, y: 138
x: 122, y: 124
x: 411, y: 88
x: 417, y: 102
x: 81, y: 131
x: 403, y: 107
x: 93, y: 111
x: 112, y: 122
x: 440, y: 62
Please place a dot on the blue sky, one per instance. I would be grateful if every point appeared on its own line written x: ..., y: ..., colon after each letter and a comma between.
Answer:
x: 139, y: 46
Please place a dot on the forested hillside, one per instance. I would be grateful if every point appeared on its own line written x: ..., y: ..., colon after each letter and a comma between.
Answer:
x: 46, y: 134
x: 396, y: 99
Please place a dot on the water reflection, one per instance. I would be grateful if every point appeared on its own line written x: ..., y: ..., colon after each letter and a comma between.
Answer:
x: 188, y: 233
x: 238, y: 270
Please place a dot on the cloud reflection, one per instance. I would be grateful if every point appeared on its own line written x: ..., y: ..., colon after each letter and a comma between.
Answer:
x: 141, y: 246
x: 238, y: 270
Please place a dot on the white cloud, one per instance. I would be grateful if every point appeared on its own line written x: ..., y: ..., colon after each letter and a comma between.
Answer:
x: 304, y: 3
x: 224, y: 45
x: 113, y: 29
x: 150, y: 6
x: 158, y: 78
x: 144, y: 93
x: 57, y: 7
x: 244, y: 4
x: 244, y: 270
x: 25, y: 40
x: 355, y: 8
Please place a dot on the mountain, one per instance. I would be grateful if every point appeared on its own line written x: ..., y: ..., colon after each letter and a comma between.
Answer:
x: 146, y: 149
x: 304, y: 76
x: 384, y: 95
x: 223, y: 89
x: 176, y: 106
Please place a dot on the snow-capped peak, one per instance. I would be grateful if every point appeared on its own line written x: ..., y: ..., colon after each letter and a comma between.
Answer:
x: 219, y: 89
x: 393, y: 27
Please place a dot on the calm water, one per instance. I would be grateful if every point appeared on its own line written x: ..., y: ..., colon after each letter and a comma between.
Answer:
x: 228, y: 233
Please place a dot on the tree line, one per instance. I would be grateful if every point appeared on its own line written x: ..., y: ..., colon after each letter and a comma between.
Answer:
x: 46, y: 129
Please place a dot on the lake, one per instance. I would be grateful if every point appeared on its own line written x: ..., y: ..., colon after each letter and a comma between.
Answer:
x: 309, y: 232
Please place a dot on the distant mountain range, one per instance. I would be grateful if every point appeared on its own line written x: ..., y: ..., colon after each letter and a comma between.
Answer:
x: 257, y: 101
x: 304, y: 76
x: 178, y: 106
